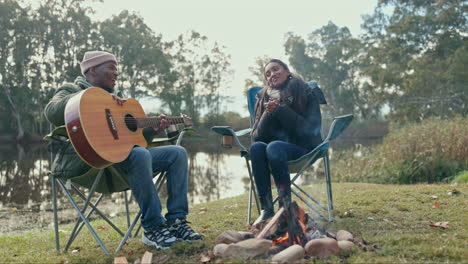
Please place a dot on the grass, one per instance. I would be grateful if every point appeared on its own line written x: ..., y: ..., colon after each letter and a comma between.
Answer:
x: 462, y: 177
x: 430, y: 151
x: 395, y: 217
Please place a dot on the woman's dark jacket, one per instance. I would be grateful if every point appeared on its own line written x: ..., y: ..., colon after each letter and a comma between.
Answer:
x: 285, y: 124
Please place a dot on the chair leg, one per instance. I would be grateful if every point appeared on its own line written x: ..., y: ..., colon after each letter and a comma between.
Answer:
x: 83, y: 218
x: 54, y: 208
x: 129, y: 232
x: 94, y: 208
x: 77, y: 228
x: 326, y: 163
x: 252, y: 190
x: 308, y: 204
x: 127, y: 211
x: 249, y: 210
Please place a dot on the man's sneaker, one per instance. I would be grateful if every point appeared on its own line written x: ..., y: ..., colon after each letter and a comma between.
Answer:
x: 180, y: 229
x: 160, y: 238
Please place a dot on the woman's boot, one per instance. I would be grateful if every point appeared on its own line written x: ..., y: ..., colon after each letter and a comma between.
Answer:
x: 266, y: 204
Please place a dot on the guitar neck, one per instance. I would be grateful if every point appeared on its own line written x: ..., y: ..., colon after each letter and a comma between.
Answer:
x: 154, y: 121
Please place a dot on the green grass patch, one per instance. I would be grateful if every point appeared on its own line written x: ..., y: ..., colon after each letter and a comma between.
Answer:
x: 462, y: 177
x: 395, y: 217
x: 430, y: 151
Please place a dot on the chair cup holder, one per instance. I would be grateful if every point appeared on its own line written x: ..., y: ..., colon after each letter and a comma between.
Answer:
x: 227, y: 141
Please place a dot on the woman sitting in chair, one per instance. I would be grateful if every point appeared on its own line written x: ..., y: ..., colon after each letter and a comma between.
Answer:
x: 287, y: 125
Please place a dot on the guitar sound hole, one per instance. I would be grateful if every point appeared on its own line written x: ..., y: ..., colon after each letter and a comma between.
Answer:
x: 130, y: 121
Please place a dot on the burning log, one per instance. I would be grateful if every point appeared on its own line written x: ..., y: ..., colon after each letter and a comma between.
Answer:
x: 291, y: 227
x: 271, y: 224
x: 296, y: 229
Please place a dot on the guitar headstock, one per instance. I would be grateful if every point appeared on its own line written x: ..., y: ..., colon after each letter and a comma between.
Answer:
x: 187, y: 120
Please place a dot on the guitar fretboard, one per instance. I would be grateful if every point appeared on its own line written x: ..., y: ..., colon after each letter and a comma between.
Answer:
x: 154, y: 121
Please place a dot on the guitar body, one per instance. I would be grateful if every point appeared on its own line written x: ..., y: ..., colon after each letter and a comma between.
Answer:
x: 101, y: 131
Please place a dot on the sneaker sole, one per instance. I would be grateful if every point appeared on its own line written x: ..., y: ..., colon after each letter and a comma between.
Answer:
x: 148, y: 242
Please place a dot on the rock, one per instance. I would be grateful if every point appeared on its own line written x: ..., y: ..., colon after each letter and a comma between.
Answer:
x: 344, y: 235
x: 276, y: 249
x: 345, y: 245
x: 219, y: 249
x: 231, y: 236
x: 322, y: 247
x: 289, y: 255
x: 248, y: 249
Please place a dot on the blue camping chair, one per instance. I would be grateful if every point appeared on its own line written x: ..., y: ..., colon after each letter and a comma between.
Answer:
x: 95, y: 185
x: 296, y: 167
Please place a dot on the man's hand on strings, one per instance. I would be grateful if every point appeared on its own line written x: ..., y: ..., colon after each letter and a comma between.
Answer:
x: 163, y: 123
x: 119, y: 101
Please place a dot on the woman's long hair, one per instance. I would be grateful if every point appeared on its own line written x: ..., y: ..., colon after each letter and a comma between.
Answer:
x: 294, y: 87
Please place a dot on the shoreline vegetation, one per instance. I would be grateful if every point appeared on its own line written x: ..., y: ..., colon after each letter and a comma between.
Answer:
x: 397, y: 218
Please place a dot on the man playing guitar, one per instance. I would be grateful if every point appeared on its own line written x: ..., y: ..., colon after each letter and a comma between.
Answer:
x: 99, y: 69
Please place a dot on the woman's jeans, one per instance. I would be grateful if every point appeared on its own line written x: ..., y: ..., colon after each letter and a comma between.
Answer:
x: 273, y: 158
x: 140, y: 166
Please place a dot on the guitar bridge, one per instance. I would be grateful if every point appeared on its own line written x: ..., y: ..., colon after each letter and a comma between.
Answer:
x: 111, y: 124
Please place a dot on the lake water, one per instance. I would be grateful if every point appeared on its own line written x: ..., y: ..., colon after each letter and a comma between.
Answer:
x: 25, y: 192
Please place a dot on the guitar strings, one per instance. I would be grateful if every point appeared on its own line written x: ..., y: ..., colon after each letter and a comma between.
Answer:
x: 152, y: 120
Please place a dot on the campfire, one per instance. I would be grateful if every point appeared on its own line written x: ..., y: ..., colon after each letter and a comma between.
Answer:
x: 290, y: 226
x: 290, y: 235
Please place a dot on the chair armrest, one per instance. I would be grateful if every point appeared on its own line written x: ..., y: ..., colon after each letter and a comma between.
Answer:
x: 158, y: 141
x: 243, y: 132
x: 188, y: 130
x: 57, y: 135
x: 228, y: 131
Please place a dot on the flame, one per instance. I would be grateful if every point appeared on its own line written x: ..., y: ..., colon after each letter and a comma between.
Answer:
x: 284, y: 239
x: 281, y: 240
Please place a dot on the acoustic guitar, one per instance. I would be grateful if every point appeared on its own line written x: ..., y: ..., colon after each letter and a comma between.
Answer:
x: 103, y: 132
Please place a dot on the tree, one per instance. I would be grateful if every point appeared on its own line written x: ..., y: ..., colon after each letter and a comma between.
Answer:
x: 38, y: 51
x: 257, y: 73
x: 199, y: 70
x: 142, y: 60
x: 417, y: 57
x: 331, y: 56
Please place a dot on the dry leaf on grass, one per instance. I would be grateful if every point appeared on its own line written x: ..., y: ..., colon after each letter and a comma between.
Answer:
x: 453, y: 192
x: 440, y: 224
x: 348, y: 213
x: 436, y: 204
x: 206, y: 257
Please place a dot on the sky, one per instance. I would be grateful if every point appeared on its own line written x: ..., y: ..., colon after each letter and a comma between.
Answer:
x: 247, y: 28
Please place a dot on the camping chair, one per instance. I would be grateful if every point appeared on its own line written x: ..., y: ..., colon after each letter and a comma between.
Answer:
x: 95, y: 185
x: 296, y: 167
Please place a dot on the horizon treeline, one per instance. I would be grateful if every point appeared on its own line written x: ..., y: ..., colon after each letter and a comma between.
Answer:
x: 41, y: 47
x: 408, y: 65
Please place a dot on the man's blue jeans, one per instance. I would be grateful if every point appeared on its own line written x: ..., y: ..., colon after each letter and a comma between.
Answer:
x: 140, y: 166
x: 273, y: 157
